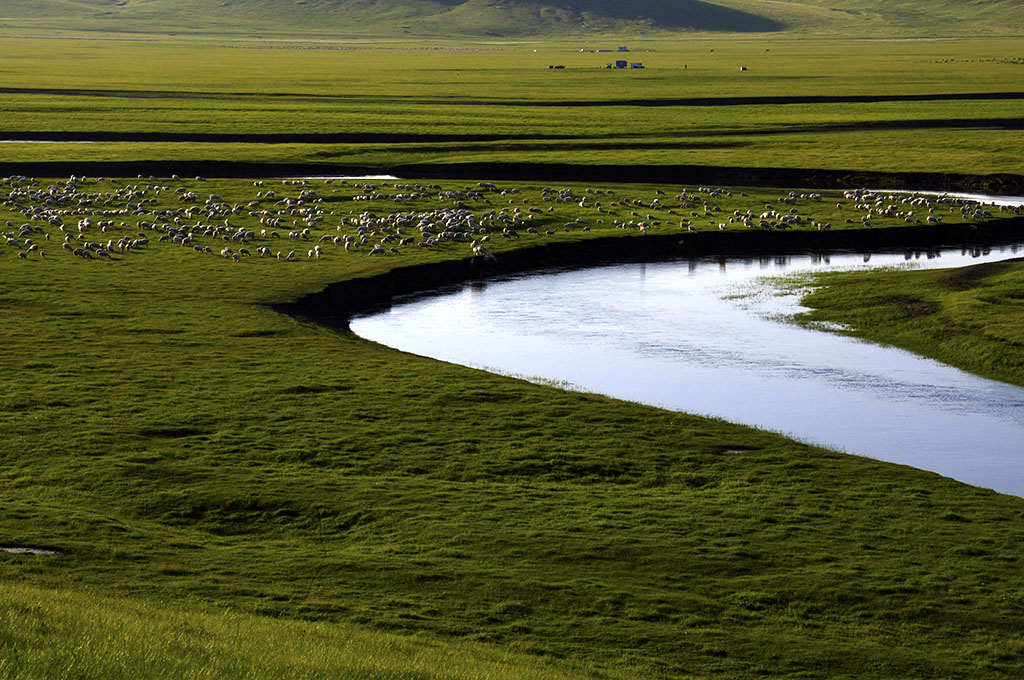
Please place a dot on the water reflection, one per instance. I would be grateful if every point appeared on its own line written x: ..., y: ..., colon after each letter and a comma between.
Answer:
x: 702, y: 336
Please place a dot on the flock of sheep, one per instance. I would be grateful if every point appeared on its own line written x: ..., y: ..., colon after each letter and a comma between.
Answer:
x: 307, y: 219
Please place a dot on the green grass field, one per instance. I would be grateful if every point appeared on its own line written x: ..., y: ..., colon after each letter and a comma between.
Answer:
x: 234, y: 492
x: 528, y: 113
x: 131, y: 638
x: 211, y: 468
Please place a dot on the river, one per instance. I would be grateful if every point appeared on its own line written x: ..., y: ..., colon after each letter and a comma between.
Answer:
x: 710, y: 337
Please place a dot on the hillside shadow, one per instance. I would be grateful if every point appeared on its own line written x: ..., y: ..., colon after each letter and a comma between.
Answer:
x: 662, y: 14
x: 676, y: 14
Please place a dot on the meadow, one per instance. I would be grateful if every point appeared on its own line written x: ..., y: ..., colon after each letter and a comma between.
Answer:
x: 210, y: 468
x: 938, y: 106
x: 75, y: 634
x: 230, y: 491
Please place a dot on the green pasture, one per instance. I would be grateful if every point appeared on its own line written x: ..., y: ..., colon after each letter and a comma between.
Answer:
x: 210, y: 469
x: 983, y: 152
x: 393, y: 71
x: 130, y: 638
x: 583, y: 114
x: 234, y: 492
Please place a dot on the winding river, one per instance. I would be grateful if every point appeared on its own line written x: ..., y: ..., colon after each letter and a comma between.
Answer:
x: 710, y: 337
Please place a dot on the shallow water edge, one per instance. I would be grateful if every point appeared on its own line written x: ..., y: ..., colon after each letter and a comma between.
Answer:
x: 703, y: 336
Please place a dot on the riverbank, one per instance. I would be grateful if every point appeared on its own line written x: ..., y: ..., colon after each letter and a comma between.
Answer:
x: 969, y: 318
x: 806, y: 178
x: 704, y: 336
x: 337, y: 302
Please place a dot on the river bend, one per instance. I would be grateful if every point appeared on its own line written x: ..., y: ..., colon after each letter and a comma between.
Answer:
x: 709, y: 337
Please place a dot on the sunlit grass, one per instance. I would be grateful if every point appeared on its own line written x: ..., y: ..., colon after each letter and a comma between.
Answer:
x: 53, y: 634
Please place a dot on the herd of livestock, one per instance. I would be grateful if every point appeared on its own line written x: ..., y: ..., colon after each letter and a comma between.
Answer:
x: 306, y: 219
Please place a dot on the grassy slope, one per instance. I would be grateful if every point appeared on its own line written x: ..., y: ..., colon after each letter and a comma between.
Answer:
x: 520, y: 17
x: 389, y: 17
x: 968, y: 318
x: 47, y: 634
x: 177, y: 438
x: 883, y: 19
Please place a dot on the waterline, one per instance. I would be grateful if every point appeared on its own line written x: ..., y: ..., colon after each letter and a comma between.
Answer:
x: 705, y: 337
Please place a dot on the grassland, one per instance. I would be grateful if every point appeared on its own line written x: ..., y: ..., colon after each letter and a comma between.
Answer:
x: 235, y: 492
x: 130, y: 638
x: 188, y: 449
x: 940, y: 106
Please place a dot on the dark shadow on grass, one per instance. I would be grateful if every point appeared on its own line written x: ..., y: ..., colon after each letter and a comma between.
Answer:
x: 256, y: 334
x: 286, y: 138
x: 170, y: 432
x: 315, y: 389
x: 415, y: 100
x: 580, y: 145
x: 966, y: 278
x: 569, y: 141
x: 874, y: 125
x: 809, y: 178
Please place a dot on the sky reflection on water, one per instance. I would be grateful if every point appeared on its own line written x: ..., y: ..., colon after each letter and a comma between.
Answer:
x: 703, y: 337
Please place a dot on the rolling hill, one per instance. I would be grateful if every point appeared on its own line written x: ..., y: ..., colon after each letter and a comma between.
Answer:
x: 516, y: 18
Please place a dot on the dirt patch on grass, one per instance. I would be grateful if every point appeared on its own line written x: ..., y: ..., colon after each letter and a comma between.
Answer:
x: 920, y: 308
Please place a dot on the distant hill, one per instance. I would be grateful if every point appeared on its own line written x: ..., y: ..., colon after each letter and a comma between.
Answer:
x: 893, y: 18
x: 504, y: 17
x: 517, y: 18
x: 402, y: 17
